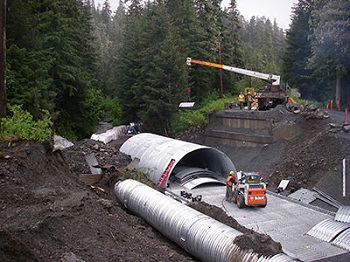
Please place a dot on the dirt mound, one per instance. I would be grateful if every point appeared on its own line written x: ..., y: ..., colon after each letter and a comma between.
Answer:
x: 261, y: 244
x: 47, y: 214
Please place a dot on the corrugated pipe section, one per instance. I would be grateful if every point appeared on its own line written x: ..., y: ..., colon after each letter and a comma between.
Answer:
x: 156, y: 152
x: 200, y: 235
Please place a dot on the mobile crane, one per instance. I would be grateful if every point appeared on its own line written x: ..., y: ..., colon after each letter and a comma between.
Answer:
x: 266, y: 97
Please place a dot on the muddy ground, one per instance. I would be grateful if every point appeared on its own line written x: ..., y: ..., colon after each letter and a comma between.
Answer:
x: 50, y: 213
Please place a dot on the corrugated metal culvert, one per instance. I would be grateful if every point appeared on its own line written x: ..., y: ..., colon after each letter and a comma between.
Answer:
x: 343, y: 214
x: 328, y: 229
x: 343, y: 240
x: 157, y: 153
x: 200, y: 235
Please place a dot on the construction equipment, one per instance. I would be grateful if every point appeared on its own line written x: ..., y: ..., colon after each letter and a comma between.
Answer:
x: 133, y: 129
x: 267, y: 97
x: 249, y: 190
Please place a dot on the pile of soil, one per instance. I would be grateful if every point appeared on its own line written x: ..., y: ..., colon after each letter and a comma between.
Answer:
x: 49, y: 214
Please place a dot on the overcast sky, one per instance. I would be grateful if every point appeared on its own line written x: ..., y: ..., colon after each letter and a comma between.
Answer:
x: 279, y: 9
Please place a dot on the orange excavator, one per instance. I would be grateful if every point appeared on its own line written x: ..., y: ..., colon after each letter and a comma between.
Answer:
x: 267, y: 97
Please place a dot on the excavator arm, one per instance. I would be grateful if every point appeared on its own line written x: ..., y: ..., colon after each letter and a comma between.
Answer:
x: 270, y: 78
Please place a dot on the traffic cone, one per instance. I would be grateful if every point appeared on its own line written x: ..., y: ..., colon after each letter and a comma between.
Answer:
x: 327, y: 108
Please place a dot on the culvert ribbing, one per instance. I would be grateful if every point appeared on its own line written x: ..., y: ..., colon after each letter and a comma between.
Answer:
x: 155, y: 152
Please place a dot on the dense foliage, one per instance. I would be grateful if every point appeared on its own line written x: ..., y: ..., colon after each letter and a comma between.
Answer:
x: 317, y: 57
x: 21, y: 125
x: 84, y: 64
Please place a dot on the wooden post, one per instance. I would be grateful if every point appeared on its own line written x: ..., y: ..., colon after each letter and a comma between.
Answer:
x: 221, y: 85
x: 344, y: 177
x: 3, y: 106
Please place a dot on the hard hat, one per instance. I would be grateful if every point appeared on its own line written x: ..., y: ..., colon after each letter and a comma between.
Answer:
x: 241, y: 92
x: 231, y: 172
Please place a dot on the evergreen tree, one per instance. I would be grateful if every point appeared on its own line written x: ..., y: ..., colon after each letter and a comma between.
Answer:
x: 294, y: 68
x: 128, y: 65
x: 206, y: 80
x: 330, y: 42
x: 160, y: 70
x: 114, y: 37
x: 166, y: 78
x: 29, y: 82
x: 51, y: 61
x: 278, y: 46
x: 184, y: 16
x: 231, y: 47
x: 263, y: 46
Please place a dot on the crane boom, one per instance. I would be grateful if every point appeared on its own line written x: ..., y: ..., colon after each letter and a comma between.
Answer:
x: 270, y: 78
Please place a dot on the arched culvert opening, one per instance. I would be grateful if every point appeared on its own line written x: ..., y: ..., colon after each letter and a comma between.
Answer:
x: 163, y: 157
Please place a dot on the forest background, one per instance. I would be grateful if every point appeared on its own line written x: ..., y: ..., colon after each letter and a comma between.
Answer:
x: 80, y: 65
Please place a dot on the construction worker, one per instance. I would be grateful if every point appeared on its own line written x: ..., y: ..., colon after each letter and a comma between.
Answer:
x: 241, y: 100
x: 229, y: 183
x: 249, y: 100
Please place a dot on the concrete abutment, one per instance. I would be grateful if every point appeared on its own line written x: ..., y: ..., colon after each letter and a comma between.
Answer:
x: 248, y: 128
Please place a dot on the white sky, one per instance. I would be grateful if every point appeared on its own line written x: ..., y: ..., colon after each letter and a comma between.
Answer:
x: 280, y: 10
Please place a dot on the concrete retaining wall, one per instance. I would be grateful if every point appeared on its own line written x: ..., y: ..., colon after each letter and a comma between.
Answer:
x: 246, y: 128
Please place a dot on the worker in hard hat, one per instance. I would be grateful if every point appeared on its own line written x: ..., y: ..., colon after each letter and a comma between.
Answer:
x: 249, y: 99
x: 229, y: 183
x: 241, y: 100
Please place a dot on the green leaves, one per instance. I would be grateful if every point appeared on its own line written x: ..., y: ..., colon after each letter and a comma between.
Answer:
x: 52, y: 61
x: 22, y: 125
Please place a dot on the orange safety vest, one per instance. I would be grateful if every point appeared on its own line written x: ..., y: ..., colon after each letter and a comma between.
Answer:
x: 230, y: 179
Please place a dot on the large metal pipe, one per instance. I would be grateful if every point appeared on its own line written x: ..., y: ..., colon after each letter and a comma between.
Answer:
x: 200, y: 235
x: 156, y: 152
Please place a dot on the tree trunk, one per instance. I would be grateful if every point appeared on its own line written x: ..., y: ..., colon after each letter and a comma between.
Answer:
x: 3, y: 107
x: 338, y: 85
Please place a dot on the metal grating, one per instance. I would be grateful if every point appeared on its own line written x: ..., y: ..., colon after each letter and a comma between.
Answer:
x: 343, y: 240
x: 281, y: 258
x: 328, y: 229
x: 343, y: 214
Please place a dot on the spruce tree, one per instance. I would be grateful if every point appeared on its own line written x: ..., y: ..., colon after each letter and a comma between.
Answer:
x: 330, y: 43
x: 231, y: 47
x: 127, y: 67
x: 295, y: 68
